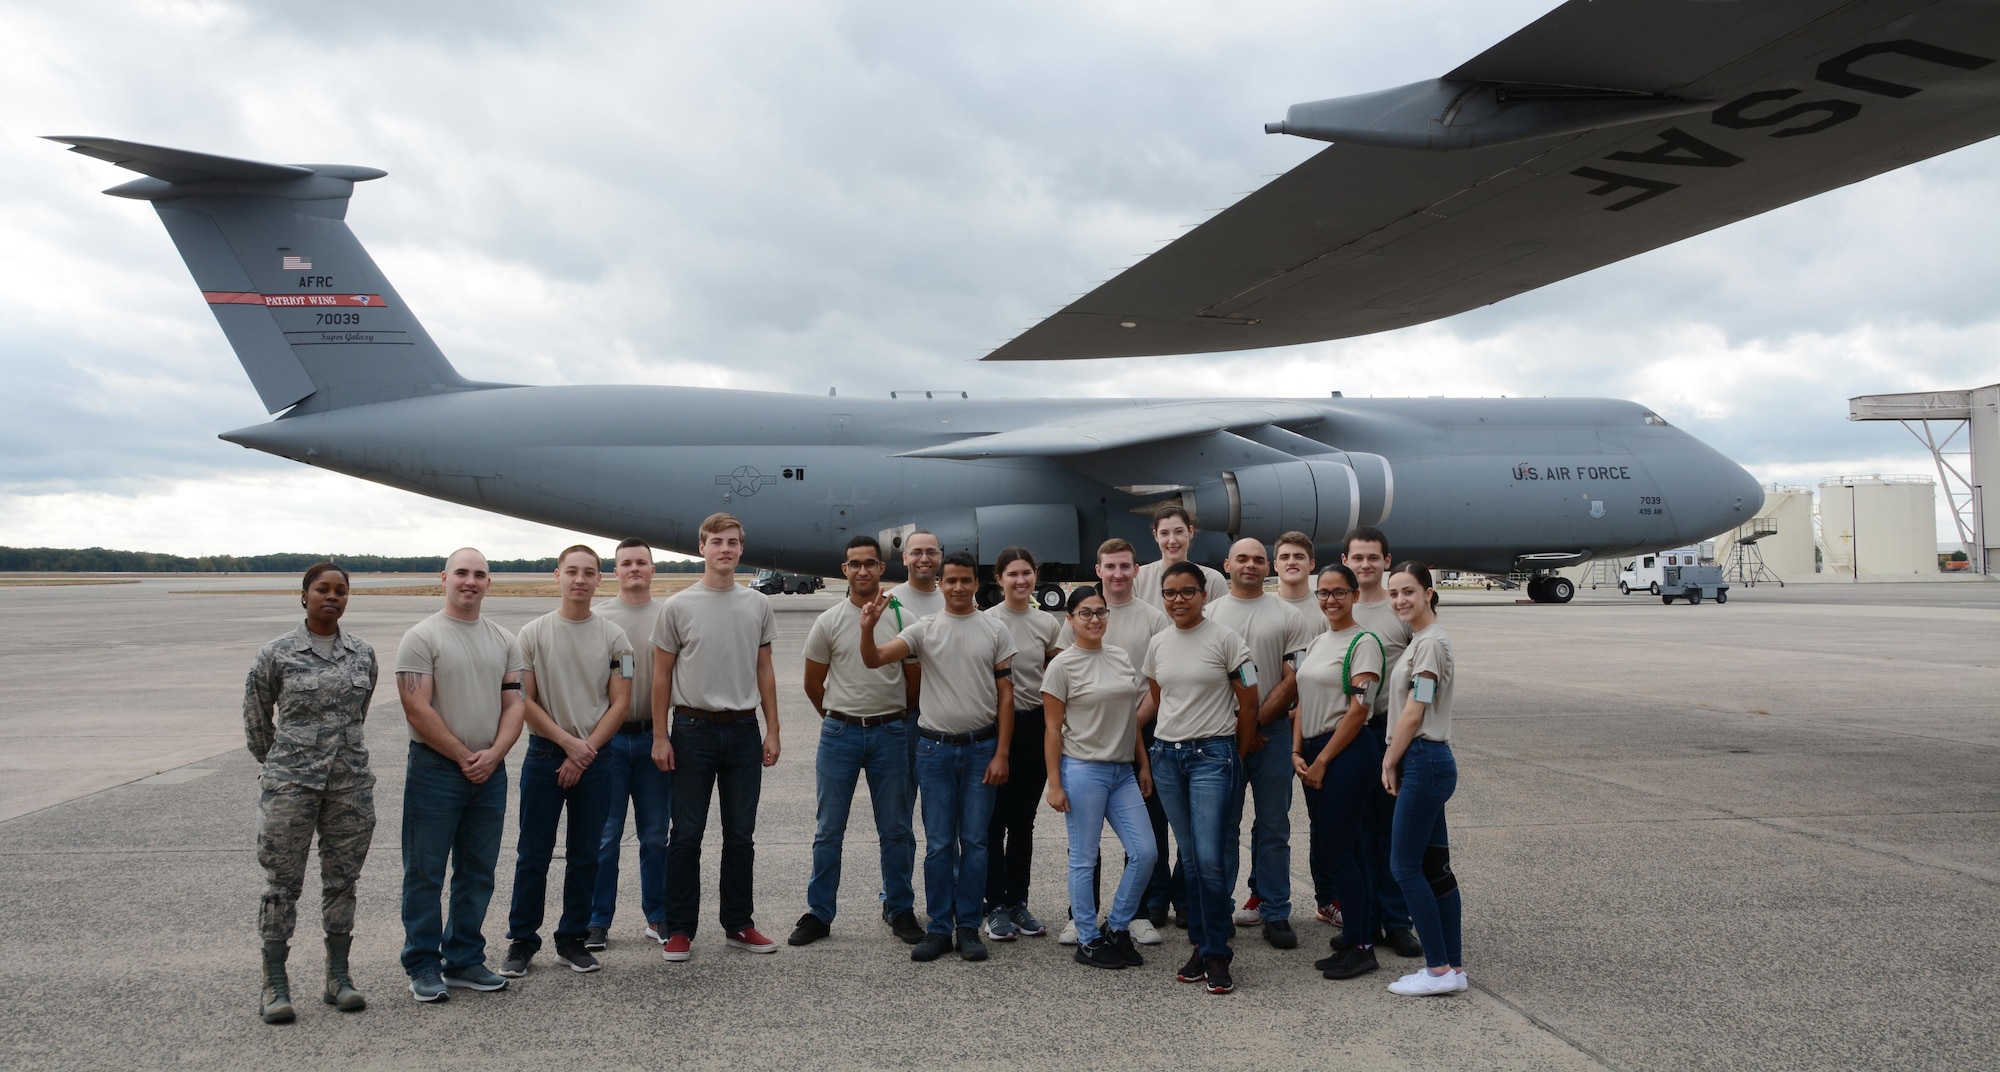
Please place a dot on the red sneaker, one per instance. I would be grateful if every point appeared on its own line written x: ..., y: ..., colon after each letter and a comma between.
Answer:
x: 677, y: 947
x: 1248, y: 916
x: 1328, y: 913
x: 749, y: 939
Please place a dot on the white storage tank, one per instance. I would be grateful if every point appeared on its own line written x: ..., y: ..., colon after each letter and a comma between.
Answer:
x: 1878, y: 526
x: 1788, y: 552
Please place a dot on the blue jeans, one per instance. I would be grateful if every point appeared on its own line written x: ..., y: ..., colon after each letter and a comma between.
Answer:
x: 446, y: 817
x: 542, y: 805
x: 1267, y: 777
x: 958, y: 805
x: 1100, y: 791
x: 1386, y: 906
x: 1338, y: 810
x: 1429, y: 777
x: 1195, y: 781
x: 726, y: 760
x: 628, y: 759
x: 844, y: 753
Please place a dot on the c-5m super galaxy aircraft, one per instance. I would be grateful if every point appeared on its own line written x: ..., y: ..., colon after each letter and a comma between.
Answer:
x: 1602, y: 130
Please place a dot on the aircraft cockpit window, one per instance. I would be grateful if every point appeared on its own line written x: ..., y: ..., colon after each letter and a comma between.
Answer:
x: 1654, y: 418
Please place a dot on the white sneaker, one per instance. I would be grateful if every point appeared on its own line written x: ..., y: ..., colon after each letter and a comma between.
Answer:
x: 1464, y: 984
x: 1143, y: 931
x: 1248, y: 915
x: 1068, y: 935
x: 1423, y: 983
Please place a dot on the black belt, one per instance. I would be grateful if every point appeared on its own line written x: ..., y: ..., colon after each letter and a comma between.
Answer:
x: 865, y: 721
x: 636, y: 728
x: 714, y: 716
x: 976, y: 736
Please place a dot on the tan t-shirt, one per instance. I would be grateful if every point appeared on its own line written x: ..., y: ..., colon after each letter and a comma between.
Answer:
x: 1034, y: 632
x: 1308, y: 611
x: 1146, y: 585
x: 1429, y: 652
x: 1272, y: 629
x: 1380, y: 619
x: 958, y: 653
x: 573, y: 663
x: 1131, y: 626
x: 714, y: 634
x: 466, y: 662
x: 1100, y: 695
x: 915, y: 604
x: 1193, y: 668
x: 851, y: 687
x: 1323, y: 698
x: 638, y: 625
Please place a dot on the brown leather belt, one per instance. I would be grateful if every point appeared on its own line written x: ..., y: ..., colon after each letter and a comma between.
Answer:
x: 714, y: 716
x: 866, y: 722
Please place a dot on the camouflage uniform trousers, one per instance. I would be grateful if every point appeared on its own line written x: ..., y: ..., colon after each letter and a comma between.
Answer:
x: 287, y: 819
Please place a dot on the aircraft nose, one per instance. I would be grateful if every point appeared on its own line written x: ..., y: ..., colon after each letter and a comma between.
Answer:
x: 1716, y: 495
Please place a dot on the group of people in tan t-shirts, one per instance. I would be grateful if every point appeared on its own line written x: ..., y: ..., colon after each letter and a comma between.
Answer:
x: 1151, y: 705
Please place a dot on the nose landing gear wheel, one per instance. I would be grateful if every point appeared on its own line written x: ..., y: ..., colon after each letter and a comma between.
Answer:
x: 1049, y: 596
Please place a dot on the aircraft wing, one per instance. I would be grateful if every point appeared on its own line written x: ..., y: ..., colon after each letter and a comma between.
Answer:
x: 1126, y: 426
x: 1602, y: 130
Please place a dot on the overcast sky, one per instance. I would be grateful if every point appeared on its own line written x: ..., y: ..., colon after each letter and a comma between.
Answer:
x: 868, y: 195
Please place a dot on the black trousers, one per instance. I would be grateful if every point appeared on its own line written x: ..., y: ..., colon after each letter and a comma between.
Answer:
x: 1010, y: 837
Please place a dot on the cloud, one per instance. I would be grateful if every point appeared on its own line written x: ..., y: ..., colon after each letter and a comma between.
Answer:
x: 867, y: 195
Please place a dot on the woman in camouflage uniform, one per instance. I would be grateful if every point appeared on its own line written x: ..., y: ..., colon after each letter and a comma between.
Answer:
x: 303, y: 707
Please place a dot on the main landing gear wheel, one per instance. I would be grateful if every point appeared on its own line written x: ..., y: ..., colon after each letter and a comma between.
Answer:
x: 1559, y: 590
x: 989, y: 595
x: 1538, y: 590
x: 1050, y: 596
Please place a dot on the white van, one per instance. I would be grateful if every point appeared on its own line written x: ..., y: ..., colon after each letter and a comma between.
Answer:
x: 1647, y: 572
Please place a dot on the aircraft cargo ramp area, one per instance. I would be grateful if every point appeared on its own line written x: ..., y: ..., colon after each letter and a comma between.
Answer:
x: 1765, y: 835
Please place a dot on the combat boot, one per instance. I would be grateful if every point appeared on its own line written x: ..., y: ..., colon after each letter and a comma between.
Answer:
x: 340, y: 992
x: 277, y: 1003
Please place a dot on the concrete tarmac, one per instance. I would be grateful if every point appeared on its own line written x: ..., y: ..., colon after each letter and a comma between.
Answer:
x: 1761, y: 834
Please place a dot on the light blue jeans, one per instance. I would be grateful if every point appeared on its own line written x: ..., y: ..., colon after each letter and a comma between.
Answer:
x: 845, y: 752
x: 628, y: 759
x: 958, y: 806
x: 1100, y: 791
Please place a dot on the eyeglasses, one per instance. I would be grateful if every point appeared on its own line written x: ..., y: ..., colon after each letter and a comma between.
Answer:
x: 1175, y: 595
x: 1092, y: 615
x: 870, y: 564
x: 923, y: 552
x: 1335, y: 593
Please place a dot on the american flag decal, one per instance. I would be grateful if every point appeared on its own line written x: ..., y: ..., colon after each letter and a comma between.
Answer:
x: 296, y: 264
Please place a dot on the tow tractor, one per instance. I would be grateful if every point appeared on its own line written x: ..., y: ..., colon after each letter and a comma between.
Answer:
x: 1693, y: 583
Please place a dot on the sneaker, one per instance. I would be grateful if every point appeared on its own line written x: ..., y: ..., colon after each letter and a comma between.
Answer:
x: 810, y: 929
x: 576, y: 958
x: 1219, y: 981
x: 1121, y: 943
x: 1248, y: 914
x: 1026, y: 923
x: 930, y: 947
x: 969, y: 945
x: 426, y: 987
x: 1403, y: 940
x: 1423, y: 984
x: 999, y: 926
x: 677, y: 947
x: 905, y: 926
x: 1144, y: 932
x: 597, y: 939
x: 1099, y: 954
x: 657, y: 932
x: 1195, y: 970
x: 1158, y: 916
x: 748, y: 939
x: 474, y: 978
x: 1280, y: 934
x: 1347, y: 964
x: 518, y: 956
x: 1329, y: 914
x: 1181, y: 918
x: 1068, y: 935
x: 1464, y: 984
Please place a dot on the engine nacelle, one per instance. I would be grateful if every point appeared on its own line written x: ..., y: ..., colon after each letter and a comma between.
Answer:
x: 1318, y: 497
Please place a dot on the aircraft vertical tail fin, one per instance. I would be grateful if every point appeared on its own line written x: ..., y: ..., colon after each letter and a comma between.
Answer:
x: 313, y: 320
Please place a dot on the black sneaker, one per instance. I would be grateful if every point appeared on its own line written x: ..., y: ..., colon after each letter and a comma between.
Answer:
x: 597, y: 939
x: 810, y: 929
x: 518, y: 956
x: 1121, y: 944
x: 576, y: 958
x: 1403, y: 940
x: 930, y: 947
x: 1219, y: 981
x: 969, y: 945
x: 905, y: 926
x: 1348, y: 963
x: 1195, y: 970
x: 1098, y: 953
x: 1181, y: 918
x: 1338, y: 946
x: 1158, y: 916
x: 1280, y: 934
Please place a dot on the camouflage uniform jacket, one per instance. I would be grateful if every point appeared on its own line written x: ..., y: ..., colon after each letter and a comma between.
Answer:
x: 303, y: 712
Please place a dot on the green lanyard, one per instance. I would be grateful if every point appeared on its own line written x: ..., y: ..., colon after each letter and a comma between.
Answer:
x: 1347, y: 661
x: 898, y: 608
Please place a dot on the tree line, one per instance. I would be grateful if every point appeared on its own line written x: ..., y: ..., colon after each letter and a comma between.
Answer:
x: 103, y: 560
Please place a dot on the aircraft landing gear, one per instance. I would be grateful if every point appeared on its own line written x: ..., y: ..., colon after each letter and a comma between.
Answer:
x: 1050, y: 596
x: 989, y: 595
x: 1551, y: 589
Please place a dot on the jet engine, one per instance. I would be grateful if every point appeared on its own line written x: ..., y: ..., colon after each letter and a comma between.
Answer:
x: 1322, y: 496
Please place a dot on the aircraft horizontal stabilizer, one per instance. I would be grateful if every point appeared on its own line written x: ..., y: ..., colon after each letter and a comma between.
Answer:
x: 183, y: 166
x: 1123, y: 427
